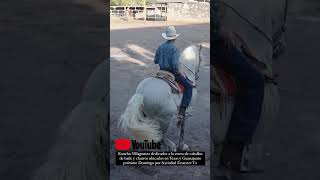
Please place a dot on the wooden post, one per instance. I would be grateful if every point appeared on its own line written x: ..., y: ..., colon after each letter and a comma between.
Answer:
x: 145, y: 10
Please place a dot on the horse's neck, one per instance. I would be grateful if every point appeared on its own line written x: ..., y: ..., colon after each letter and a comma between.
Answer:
x: 188, y: 70
x: 189, y: 62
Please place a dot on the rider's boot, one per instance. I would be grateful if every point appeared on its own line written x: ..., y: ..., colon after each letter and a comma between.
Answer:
x: 181, y: 114
x: 232, y: 159
x: 231, y: 156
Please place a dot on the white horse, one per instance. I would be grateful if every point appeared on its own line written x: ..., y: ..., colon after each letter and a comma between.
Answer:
x: 258, y: 24
x: 154, y: 105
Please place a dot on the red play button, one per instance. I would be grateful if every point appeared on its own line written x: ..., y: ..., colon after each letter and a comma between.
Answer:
x: 122, y: 144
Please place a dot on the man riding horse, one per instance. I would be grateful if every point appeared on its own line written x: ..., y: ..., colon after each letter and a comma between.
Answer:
x: 152, y: 108
x: 167, y: 56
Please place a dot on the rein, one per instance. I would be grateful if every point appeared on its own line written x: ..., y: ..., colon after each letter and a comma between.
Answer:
x: 200, y: 59
x: 269, y: 39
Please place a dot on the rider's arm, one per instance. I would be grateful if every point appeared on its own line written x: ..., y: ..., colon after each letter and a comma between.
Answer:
x: 156, y: 57
x: 175, y: 60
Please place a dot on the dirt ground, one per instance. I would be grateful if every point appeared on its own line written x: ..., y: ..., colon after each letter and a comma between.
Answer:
x: 132, y: 52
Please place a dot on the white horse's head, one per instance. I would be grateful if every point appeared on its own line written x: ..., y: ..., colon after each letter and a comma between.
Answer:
x: 190, y: 62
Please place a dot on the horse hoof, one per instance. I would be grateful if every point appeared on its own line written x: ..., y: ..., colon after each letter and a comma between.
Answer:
x: 185, y: 147
x: 174, y: 148
x: 169, y: 145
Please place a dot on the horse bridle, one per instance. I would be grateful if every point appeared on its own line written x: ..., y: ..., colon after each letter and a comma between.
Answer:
x: 200, y: 59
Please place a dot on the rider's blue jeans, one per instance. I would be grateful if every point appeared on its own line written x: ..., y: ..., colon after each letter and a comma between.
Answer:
x: 187, y: 94
x: 249, y: 98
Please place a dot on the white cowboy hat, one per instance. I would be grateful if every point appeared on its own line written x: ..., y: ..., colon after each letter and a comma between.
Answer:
x: 170, y: 33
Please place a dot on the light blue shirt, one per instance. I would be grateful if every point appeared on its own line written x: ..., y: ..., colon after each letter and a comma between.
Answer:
x: 167, y: 56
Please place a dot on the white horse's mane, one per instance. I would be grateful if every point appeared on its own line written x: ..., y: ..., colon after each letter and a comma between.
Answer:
x: 189, y: 61
x: 189, y: 55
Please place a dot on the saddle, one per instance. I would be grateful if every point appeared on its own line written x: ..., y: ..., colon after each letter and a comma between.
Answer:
x: 176, y: 87
x: 224, y: 84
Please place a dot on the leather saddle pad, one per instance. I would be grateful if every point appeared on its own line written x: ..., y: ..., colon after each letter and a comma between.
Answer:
x: 224, y: 83
x: 170, y: 79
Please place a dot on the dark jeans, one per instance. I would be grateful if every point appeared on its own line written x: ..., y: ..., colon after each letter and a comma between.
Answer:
x: 187, y: 94
x: 249, y: 99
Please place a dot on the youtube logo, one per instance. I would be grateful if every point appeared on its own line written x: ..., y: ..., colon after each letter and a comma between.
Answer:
x: 122, y: 144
